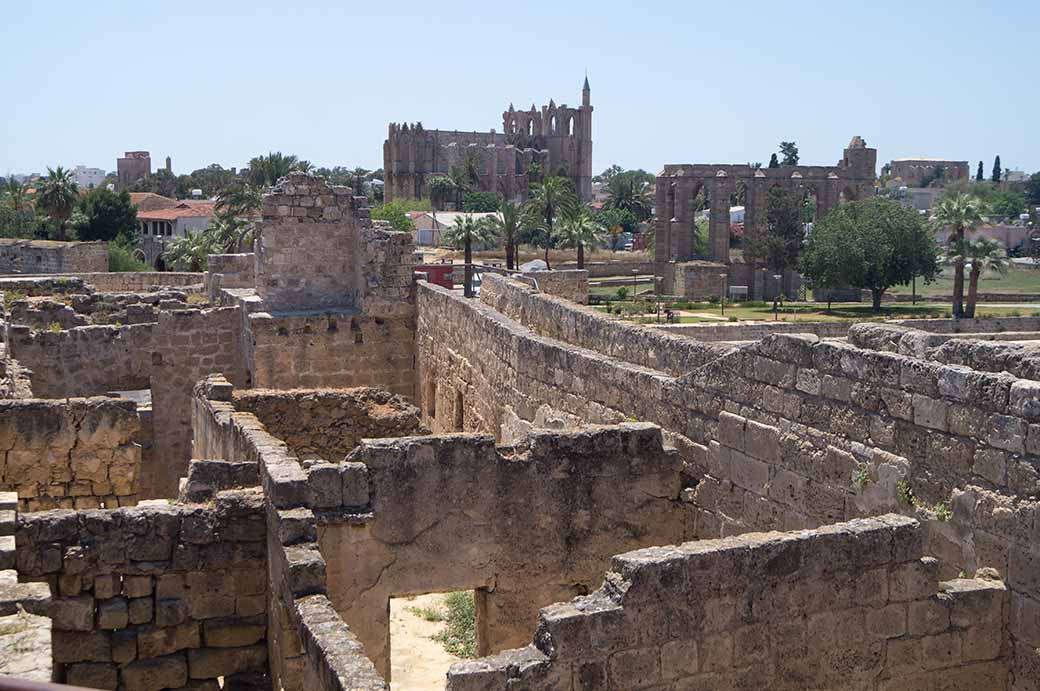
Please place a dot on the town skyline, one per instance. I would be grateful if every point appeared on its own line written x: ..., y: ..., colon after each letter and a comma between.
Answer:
x: 810, y: 79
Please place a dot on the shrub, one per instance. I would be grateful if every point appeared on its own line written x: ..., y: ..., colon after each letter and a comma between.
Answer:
x: 459, y: 636
x: 121, y: 258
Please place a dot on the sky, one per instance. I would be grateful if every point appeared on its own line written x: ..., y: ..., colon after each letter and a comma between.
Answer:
x: 674, y: 81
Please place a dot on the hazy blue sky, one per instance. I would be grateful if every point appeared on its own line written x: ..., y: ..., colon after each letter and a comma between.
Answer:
x: 672, y: 81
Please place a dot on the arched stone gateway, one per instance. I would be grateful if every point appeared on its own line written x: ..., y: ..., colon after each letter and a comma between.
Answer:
x: 678, y: 185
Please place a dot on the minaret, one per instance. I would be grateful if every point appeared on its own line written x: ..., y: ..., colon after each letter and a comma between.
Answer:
x: 586, y: 93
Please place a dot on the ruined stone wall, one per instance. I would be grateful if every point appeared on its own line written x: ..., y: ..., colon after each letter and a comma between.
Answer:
x: 158, y: 596
x: 699, y: 280
x: 589, y: 328
x: 229, y: 271
x: 852, y: 605
x: 751, y: 331
x: 84, y: 361
x: 141, y: 281
x: 965, y: 436
x: 571, y: 284
x: 50, y: 257
x: 190, y: 344
x: 310, y: 645
x: 71, y: 453
x: 540, y: 521
x: 329, y: 423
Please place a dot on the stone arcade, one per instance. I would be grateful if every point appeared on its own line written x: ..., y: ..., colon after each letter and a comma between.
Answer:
x: 718, y: 507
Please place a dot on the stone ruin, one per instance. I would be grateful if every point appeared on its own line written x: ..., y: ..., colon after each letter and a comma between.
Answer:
x: 726, y: 506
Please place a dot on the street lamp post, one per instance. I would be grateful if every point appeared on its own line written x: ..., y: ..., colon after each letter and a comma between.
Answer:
x: 776, y: 297
x: 635, y: 272
x: 725, y: 278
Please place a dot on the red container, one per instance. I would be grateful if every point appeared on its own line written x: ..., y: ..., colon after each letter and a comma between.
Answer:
x: 438, y: 274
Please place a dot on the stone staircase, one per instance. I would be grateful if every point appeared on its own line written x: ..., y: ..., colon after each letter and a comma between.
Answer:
x: 25, y: 630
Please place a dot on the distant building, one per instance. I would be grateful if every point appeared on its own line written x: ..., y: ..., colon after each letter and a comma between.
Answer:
x: 430, y: 226
x: 912, y: 172
x: 88, y: 177
x: 1015, y: 176
x: 134, y: 166
x: 161, y: 221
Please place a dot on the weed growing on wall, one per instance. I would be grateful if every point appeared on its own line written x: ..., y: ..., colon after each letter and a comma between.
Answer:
x: 459, y: 637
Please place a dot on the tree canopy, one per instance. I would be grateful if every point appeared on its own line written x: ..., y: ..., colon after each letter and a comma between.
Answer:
x: 107, y: 216
x: 789, y: 150
x: 874, y: 244
x: 780, y: 242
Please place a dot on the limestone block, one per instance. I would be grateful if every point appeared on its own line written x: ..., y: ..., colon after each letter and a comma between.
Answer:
x: 137, y: 586
x: 1024, y: 400
x: 73, y: 613
x: 929, y: 616
x: 92, y: 675
x: 233, y: 632
x: 170, y: 672
x: 112, y: 613
x: 170, y: 611
x: 1006, y: 432
x: 914, y: 580
x: 930, y: 412
x: 140, y: 610
x: 887, y: 622
x: 78, y: 646
x: 124, y: 646
x: 153, y: 641
x: 355, y: 484
x: 210, y: 663
x: 749, y: 473
x: 731, y: 430
x: 324, y: 486
x: 306, y: 570
x: 636, y: 668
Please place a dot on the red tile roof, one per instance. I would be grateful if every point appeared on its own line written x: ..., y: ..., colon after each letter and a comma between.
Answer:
x: 184, y: 209
x: 150, y: 201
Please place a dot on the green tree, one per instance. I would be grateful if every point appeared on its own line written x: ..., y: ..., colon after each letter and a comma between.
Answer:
x: 463, y: 233
x: 441, y: 190
x: 789, y: 150
x: 15, y: 196
x: 873, y: 243
x: 190, y: 252
x: 774, y: 162
x: 161, y: 182
x: 983, y: 255
x: 779, y: 243
x: 508, y: 225
x: 359, y: 175
x: 1033, y: 188
x: 628, y: 192
x: 578, y: 228
x: 997, y: 175
x: 461, y: 183
x: 549, y: 199
x: 1006, y: 203
x: 978, y: 173
x: 618, y: 218
x: 58, y: 197
x: 396, y: 213
x: 481, y: 202
x: 960, y: 213
x: 265, y: 171
x: 107, y: 216
x: 240, y: 199
x: 607, y: 174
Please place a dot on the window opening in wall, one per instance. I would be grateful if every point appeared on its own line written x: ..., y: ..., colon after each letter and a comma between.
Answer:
x: 459, y: 416
x: 430, y: 633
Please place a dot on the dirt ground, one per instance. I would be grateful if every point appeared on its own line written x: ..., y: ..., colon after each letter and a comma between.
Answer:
x: 417, y: 661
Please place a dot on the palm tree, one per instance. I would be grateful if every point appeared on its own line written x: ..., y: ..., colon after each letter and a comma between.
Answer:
x: 629, y: 193
x: 961, y: 212
x: 461, y: 183
x: 463, y: 233
x: 441, y: 189
x: 189, y: 253
x: 58, y: 196
x: 508, y: 224
x: 265, y: 171
x: 549, y: 199
x: 16, y: 198
x: 983, y: 255
x: 240, y: 199
x: 578, y: 228
x: 359, y: 174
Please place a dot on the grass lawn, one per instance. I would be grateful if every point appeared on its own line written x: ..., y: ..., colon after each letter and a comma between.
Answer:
x: 1019, y: 279
x: 793, y: 312
x: 612, y: 290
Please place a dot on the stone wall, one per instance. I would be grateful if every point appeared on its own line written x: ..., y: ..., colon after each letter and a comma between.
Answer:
x: 50, y: 257
x: 540, y: 522
x: 751, y: 331
x: 852, y: 605
x: 699, y: 280
x: 158, y: 596
x: 571, y: 284
x: 84, y: 361
x: 960, y: 437
x: 73, y: 453
x: 229, y: 271
x: 329, y: 423
x: 590, y: 328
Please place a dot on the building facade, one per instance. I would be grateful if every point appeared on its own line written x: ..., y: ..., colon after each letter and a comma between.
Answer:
x: 555, y: 140
x: 88, y: 177
x: 134, y: 166
x: 912, y: 172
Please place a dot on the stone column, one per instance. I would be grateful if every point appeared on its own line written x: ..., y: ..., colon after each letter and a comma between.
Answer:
x: 718, y: 231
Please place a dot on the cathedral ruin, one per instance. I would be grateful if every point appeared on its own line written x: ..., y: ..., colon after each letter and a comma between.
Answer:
x: 555, y: 140
x: 221, y: 479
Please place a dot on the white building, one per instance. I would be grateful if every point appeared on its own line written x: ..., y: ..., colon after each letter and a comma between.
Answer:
x: 88, y: 177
